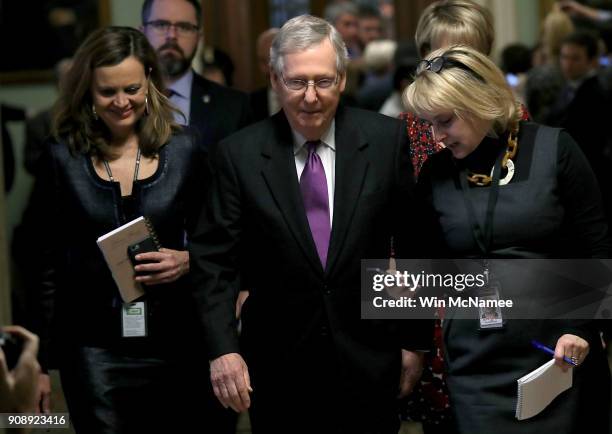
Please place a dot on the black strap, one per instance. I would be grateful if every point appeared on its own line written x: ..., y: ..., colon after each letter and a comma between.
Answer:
x: 547, y: 136
x: 483, y: 237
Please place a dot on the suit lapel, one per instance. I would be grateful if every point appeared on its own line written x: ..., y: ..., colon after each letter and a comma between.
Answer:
x: 351, y: 169
x: 281, y: 177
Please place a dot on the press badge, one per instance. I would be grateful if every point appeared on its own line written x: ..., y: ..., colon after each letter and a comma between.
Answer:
x: 134, y: 319
x: 490, y: 317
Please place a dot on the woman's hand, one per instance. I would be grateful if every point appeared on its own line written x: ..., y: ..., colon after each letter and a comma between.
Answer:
x: 573, y: 347
x: 168, y: 265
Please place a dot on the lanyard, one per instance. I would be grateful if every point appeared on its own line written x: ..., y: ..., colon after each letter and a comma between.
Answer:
x: 482, y: 236
x: 136, y: 168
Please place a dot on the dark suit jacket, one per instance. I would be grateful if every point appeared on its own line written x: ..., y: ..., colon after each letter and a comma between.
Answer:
x: 216, y: 111
x: 256, y: 230
x: 586, y: 119
x: 259, y: 104
x: 71, y: 207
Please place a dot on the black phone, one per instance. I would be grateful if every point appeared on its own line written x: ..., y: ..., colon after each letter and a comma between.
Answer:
x: 11, y: 346
x: 146, y: 245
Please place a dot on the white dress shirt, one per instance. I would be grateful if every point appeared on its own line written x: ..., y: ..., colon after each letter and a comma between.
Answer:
x: 181, y: 97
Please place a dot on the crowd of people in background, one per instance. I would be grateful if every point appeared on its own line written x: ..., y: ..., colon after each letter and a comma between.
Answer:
x: 358, y: 146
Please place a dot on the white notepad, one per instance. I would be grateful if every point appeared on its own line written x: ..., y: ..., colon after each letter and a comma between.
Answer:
x: 114, y: 248
x: 538, y: 389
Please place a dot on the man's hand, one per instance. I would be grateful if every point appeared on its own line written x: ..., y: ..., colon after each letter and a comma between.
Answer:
x: 412, y: 368
x: 19, y: 387
x: 231, y: 383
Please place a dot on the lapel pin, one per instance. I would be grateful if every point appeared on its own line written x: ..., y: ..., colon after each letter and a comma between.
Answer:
x: 206, y: 98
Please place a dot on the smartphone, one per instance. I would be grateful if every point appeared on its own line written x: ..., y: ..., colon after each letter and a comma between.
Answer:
x: 11, y: 346
x: 146, y: 245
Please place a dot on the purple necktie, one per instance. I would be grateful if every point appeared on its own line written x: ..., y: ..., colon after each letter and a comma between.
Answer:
x: 316, y: 202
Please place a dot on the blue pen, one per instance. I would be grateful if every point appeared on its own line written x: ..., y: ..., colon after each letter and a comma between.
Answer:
x: 544, y: 348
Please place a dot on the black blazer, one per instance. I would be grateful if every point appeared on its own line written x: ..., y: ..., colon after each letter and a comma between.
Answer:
x: 256, y: 232
x: 216, y: 111
x: 259, y: 104
x: 78, y: 302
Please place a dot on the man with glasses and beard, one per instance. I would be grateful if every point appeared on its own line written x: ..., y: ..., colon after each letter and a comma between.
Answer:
x: 173, y: 27
x: 213, y: 112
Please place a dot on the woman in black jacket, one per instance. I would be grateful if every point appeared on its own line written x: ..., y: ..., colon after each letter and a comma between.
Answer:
x: 118, y: 155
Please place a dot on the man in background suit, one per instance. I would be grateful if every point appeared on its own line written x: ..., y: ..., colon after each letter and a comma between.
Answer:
x: 173, y: 27
x: 582, y: 109
x: 296, y: 202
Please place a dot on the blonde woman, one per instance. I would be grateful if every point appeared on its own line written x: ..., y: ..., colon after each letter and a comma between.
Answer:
x: 547, y: 205
x: 442, y: 23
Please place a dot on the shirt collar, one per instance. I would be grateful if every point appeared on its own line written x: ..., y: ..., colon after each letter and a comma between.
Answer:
x: 182, y: 86
x: 328, y: 138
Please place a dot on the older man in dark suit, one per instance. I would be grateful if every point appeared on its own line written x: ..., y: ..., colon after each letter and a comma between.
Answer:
x: 297, y: 200
x: 173, y: 29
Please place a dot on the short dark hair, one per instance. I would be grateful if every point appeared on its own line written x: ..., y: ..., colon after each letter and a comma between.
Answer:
x: 516, y: 58
x: 215, y: 58
x: 585, y: 39
x: 148, y: 4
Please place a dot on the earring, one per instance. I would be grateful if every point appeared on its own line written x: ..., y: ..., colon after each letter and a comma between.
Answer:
x: 95, y: 114
x: 146, y: 110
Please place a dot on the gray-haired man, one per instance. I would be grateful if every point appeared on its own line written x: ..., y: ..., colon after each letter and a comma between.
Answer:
x: 297, y: 201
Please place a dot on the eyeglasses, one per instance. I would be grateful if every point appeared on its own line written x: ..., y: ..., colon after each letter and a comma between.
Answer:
x: 162, y: 27
x: 438, y: 63
x: 298, y: 85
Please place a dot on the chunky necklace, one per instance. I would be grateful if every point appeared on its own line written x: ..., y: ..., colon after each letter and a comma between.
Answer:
x: 482, y: 180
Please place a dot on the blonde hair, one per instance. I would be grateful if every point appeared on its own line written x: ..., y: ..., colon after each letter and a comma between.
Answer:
x: 557, y: 25
x: 469, y: 85
x: 455, y: 22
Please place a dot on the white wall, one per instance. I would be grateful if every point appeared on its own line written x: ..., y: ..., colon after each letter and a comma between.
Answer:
x: 125, y: 12
x: 514, y: 21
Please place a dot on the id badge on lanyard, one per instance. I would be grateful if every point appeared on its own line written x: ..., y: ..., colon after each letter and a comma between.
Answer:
x: 489, y: 318
x: 134, y: 319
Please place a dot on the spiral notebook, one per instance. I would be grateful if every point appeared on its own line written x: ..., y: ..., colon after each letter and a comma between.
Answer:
x: 114, y: 247
x: 540, y: 387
